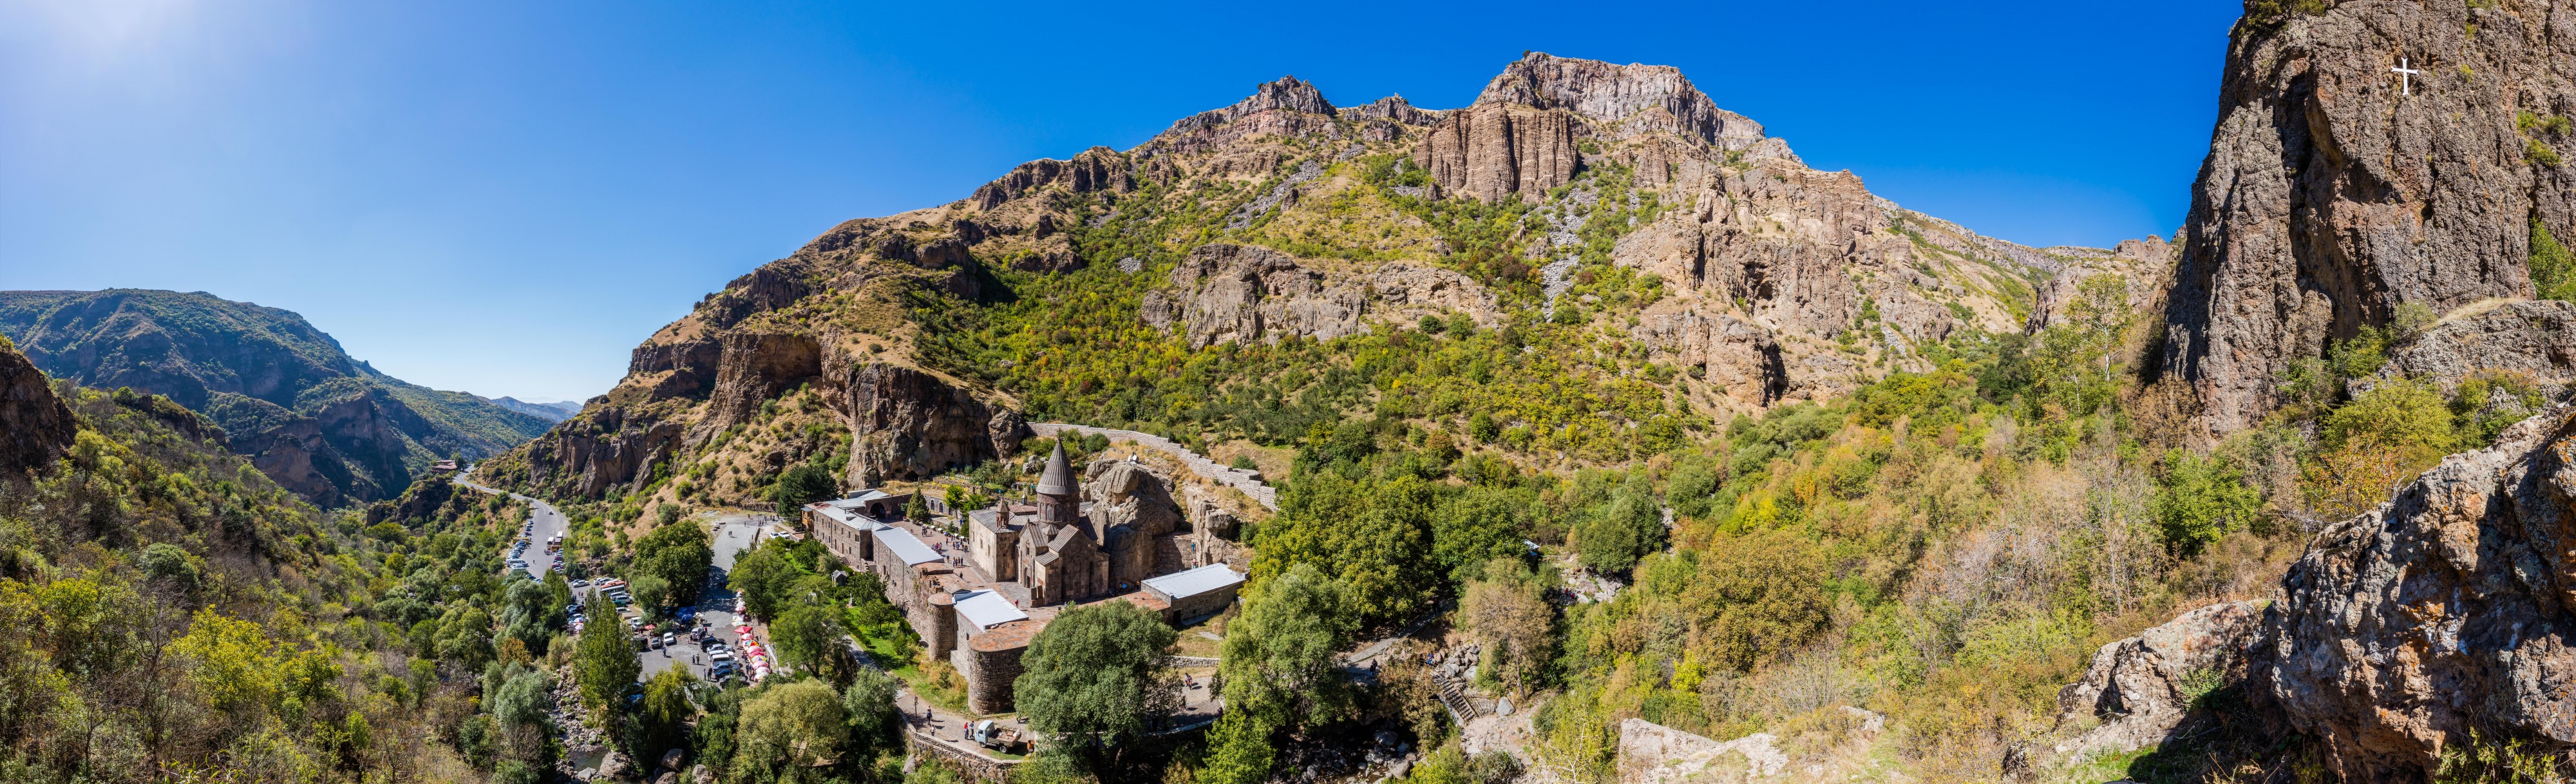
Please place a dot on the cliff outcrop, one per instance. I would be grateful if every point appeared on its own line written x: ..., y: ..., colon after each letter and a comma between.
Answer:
x: 35, y: 427
x: 2531, y: 340
x: 1490, y: 151
x: 2437, y: 621
x: 1223, y: 293
x: 2335, y: 191
x: 906, y: 423
x: 2443, y: 613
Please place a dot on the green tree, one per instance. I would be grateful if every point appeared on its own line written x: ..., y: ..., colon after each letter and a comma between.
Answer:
x: 1628, y: 526
x: 804, y: 484
x: 529, y: 613
x: 2553, y: 270
x: 678, y: 553
x: 1279, y: 655
x: 660, y: 720
x: 788, y: 733
x: 652, y: 594
x: 868, y: 704
x: 762, y: 578
x: 604, y: 661
x: 1239, y: 747
x: 2201, y: 498
x: 1095, y: 680
x: 809, y: 638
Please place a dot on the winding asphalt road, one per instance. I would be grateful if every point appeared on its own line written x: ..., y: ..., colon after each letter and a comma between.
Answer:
x: 549, y: 523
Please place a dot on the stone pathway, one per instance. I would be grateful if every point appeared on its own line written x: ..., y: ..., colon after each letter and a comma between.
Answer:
x: 1245, y: 481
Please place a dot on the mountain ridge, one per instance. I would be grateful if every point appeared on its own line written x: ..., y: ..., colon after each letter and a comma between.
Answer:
x: 327, y: 426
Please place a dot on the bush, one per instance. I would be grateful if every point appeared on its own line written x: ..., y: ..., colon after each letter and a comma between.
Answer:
x: 2553, y: 271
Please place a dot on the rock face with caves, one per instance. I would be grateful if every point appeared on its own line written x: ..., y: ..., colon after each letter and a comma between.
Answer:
x: 2333, y: 194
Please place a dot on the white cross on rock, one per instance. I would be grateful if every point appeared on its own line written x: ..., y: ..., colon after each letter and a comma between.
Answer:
x: 2403, y: 86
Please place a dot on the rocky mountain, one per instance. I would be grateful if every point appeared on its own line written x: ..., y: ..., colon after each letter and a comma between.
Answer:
x: 1574, y: 197
x: 35, y: 427
x: 556, y: 411
x: 2423, y: 639
x: 320, y: 423
x: 2337, y: 194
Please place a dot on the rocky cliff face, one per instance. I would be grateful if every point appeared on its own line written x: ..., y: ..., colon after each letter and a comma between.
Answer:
x: 2444, y: 612
x: 35, y: 427
x: 1234, y: 293
x: 2333, y: 193
x: 906, y: 423
x: 1490, y: 151
x: 2438, y: 620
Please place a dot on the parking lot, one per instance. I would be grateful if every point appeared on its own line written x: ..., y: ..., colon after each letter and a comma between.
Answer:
x: 713, y: 611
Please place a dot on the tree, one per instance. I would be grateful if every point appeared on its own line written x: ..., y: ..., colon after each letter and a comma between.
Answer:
x: 465, y: 636
x: 529, y: 613
x: 604, y: 660
x: 804, y: 484
x: 2383, y: 438
x: 679, y: 553
x: 2201, y: 498
x: 784, y: 733
x: 868, y: 704
x: 661, y: 717
x: 1756, y: 596
x: 1095, y: 679
x: 1510, y: 614
x: 762, y: 578
x: 916, y: 510
x: 652, y: 594
x: 1279, y: 655
x: 1624, y: 529
x: 522, y: 710
x: 2553, y: 269
x: 808, y: 638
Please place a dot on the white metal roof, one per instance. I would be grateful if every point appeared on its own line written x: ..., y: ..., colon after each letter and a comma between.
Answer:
x: 1179, y: 585
x: 835, y: 512
x: 987, y: 609
x: 904, y: 545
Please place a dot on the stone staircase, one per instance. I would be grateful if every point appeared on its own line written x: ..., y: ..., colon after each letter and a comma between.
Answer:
x: 1245, y: 481
x: 1455, y: 697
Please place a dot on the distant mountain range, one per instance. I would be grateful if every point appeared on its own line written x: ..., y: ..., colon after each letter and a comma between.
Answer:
x: 557, y: 411
x: 329, y: 427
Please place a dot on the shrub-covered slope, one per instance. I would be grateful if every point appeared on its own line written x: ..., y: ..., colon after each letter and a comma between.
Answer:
x: 324, y: 425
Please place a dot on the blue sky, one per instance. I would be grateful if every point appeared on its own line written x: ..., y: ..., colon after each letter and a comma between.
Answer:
x: 505, y: 198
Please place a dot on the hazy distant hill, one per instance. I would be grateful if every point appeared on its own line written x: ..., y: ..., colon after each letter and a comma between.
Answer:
x: 329, y: 427
x: 557, y: 411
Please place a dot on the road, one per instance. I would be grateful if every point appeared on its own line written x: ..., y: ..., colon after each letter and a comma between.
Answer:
x: 549, y: 523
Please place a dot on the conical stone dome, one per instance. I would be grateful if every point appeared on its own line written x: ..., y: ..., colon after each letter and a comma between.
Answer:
x: 1058, y: 478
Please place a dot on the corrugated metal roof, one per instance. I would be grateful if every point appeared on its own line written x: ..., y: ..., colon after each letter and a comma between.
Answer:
x: 905, y: 546
x: 1181, y: 585
x: 987, y: 609
x: 836, y: 513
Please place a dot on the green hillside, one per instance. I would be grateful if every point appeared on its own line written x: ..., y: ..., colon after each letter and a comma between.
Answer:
x: 329, y: 427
